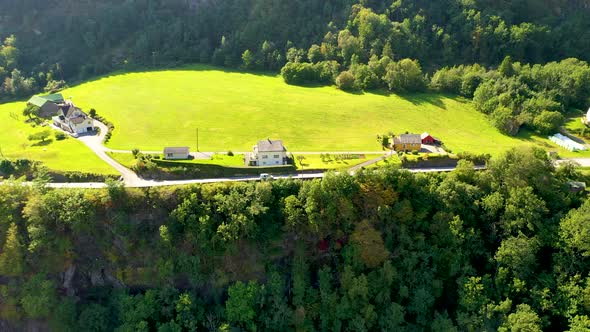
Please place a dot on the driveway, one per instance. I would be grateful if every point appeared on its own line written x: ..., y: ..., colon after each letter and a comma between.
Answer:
x: 432, y: 149
x: 95, y: 143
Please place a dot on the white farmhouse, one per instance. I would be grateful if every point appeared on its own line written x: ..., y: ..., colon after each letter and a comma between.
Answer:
x: 268, y: 153
x: 72, y: 119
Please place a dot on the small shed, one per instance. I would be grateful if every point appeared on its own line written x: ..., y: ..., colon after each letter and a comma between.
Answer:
x: 176, y: 152
x: 427, y: 139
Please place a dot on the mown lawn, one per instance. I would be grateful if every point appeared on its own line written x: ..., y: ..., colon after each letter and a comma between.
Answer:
x: 574, y: 124
x: 66, y: 155
x: 391, y: 161
x: 332, y: 162
x: 237, y: 160
x: 232, y: 110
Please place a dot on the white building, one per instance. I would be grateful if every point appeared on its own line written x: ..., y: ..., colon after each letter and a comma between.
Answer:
x: 588, y: 117
x: 268, y: 153
x: 176, y: 152
x: 72, y: 119
x: 567, y: 143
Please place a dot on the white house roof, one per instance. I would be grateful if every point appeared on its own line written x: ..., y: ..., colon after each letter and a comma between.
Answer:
x: 269, y: 145
x: 179, y: 149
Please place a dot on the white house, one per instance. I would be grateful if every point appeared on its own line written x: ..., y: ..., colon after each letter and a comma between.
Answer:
x: 176, y: 152
x: 72, y: 119
x: 268, y: 153
x: 588, y: 117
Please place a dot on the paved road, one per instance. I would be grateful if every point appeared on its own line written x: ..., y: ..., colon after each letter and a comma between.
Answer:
x: 584, y: 162
x: 355, y: 168
x: 152, y: 183
x: 440, y: 169
x: 94, y: 142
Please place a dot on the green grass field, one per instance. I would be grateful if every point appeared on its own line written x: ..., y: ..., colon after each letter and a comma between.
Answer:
x: 233, y: 110
x: 66, y: 155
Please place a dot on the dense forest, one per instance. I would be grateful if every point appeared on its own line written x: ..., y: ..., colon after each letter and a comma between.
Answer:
x: 523, y: 61
x: 503, y: 249
x: 71, y: 40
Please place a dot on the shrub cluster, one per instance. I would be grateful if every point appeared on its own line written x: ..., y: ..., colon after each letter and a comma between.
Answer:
x: 106, y: 122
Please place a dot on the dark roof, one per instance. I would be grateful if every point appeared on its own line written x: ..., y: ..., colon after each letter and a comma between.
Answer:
x: 408, y: 139
x: 268, y: 145
x: 71, y: 110
x: 78, y: 119
x: 179, y: 149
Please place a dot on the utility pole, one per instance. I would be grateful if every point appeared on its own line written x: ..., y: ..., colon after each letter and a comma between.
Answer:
x: 197, y: 139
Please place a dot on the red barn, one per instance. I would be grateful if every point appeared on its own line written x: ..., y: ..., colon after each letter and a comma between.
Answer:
x: 427, y: 139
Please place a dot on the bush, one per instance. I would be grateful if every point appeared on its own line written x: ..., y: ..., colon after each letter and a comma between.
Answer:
x: 345, y: 81
x: 230, y: 153
x: 298, y: 73
x: 135, y: 152
x: 303, y: 73
x: 60, y: 136
x: 503, y: 119
x: 40, y: 136
x: 548, y: 122
x: 110, y: 125
x: 6, y: 167
x: 53, y: 86
x: 405, y: 76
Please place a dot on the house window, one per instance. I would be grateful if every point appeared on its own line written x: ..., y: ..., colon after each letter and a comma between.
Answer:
x: 264, y: 156
x: 276, y: 156
x: 170, y: 155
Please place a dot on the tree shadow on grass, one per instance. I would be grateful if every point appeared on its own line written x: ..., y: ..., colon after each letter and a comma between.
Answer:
x: 353, y: 92
x: 43, y: 143
x: 529, y: 136
x: 184, y: 67
x: 421, y: 98
x: 424, y: 99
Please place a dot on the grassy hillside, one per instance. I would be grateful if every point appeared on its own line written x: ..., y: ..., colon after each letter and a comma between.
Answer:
x: 233, y: 110
x: 66, y: 155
